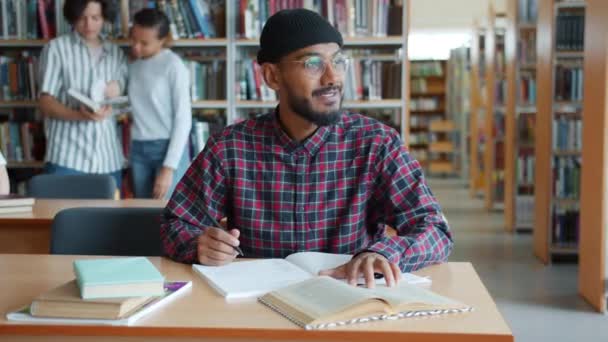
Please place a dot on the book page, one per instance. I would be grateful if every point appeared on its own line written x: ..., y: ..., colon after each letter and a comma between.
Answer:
x: 408, y: 297
x: 313, y: 262
x: 321, y: 297
x: 245, y: 279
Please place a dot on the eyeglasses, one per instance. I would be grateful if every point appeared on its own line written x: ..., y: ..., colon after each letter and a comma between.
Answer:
x: 315, y: 66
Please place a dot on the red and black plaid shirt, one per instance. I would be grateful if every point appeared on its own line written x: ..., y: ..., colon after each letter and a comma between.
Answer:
x: 334, y: 193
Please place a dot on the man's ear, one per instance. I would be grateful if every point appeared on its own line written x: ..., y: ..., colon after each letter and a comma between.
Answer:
x: 270, y: 72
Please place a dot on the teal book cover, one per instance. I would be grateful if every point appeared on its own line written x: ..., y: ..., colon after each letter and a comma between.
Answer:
x: 115, y: 272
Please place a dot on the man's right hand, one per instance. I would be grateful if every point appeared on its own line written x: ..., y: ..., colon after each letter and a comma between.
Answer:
x: 100, y: 115
x: 215, y: 246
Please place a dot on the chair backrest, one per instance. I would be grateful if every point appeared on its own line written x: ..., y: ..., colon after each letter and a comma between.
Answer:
x: 107, y: 231
x: 72, y: 186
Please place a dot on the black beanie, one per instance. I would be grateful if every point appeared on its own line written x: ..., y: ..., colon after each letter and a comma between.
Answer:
x: 290, y: 30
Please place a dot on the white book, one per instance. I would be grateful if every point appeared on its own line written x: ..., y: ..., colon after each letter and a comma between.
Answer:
x: 172, y: 290
x: 95, y: 106
x: 249, y: 279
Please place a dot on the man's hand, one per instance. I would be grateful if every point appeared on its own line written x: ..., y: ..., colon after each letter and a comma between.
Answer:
x: 112, y: 90
x: 367, y: 264
x: 163, y: 182
x: 100, y: 115
x: 215, y: 246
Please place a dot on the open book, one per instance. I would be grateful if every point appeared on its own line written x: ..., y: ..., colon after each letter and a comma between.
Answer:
x: 172, y: 290
x: 324, y: 302
x: 120, y: 102
x: 245, y: 279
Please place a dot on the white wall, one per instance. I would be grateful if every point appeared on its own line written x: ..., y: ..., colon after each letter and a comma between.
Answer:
x: 437, y: 26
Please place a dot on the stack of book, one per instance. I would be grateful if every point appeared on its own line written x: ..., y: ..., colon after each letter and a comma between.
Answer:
x: 115, y: 291
x: 15, y: 204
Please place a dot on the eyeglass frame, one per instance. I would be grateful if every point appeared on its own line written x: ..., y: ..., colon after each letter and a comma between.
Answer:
x: 337, y: 54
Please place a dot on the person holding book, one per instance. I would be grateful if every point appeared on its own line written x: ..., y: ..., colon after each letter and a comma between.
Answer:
x: 80, y: 141
x: 5, y: 185
x: 309, y: 175
x: 159, y: 92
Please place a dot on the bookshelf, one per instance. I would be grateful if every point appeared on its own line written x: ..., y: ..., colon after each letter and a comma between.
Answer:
x: 558, y: 133
x: 521, y: 115
x: 382, y: 44
x: 478, y: 104
x: 594, y: 177
x: 458, y: 110
x: 427, y: 105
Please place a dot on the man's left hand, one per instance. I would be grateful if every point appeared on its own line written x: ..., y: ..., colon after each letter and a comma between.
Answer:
x: 366, y: 264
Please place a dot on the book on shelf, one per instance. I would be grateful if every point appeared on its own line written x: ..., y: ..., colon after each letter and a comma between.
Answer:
x: 117, y: 277
x: 527, y: 11
x: 570, y: 30
x: 566, y: 175
x: 80, y: 313
x: 246, y: 279
x: 565, y: 225
x: 18, y: 76
x: 567, y: 133
x: 324, y: 302
x: 524, y: 207
x: 374, y: 18
x: 208, y: 78
x: 569, y: 82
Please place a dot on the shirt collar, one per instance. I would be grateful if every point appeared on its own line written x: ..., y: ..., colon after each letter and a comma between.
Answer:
x: 77, y: 39
x: 311, y: 145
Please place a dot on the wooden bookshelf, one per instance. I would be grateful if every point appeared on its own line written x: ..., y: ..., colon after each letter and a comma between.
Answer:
x: 477, y: 110
x: 489, y: 154
x: 594, y: 177
x: 233, y: 49
x: 428, y: 85
x: 458, y: 107
x: 520, y: 111
x: 551, y: 233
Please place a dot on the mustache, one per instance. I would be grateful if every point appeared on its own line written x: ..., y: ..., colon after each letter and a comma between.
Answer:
x: 320, y: 91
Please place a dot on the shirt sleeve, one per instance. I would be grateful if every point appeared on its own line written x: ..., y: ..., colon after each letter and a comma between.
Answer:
x: 182, y: 115
x: 183, y: 219
x: 51, y: 81
x: 405, y: 202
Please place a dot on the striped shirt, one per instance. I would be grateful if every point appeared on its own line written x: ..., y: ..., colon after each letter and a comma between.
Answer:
x: 335, y: 192
x: 86, y: 146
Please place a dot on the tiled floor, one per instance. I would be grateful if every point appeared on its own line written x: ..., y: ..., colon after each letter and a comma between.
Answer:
x: 540, y: 303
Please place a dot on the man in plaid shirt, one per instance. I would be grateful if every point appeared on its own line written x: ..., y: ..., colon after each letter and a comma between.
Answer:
x: 308, y: 176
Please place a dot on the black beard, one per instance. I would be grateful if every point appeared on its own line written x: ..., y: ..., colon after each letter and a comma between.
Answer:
x: 302, y: 107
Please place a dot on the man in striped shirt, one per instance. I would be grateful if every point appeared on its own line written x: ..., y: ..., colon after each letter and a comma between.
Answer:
x: 78, y: 140
x: 309, y: 176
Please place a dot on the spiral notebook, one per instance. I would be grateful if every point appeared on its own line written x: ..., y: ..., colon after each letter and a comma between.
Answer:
x: 324, y: 302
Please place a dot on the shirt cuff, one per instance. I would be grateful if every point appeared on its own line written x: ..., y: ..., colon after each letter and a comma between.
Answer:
x: 385, y: 247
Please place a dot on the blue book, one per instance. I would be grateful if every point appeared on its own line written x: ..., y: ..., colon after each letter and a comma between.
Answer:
x: 117, y: 278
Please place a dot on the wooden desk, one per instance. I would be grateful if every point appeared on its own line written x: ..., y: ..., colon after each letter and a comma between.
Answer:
x: 202, y: 315
x: 30, y: 232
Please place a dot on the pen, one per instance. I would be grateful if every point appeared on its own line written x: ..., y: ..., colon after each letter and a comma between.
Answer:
x: 216, y: 224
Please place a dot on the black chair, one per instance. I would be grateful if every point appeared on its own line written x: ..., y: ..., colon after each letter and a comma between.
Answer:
x: 72, y: 186
x: 107, y: 231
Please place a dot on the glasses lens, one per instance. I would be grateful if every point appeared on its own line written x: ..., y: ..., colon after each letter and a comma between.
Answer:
x: 314, y: 65
x: 340, y: 63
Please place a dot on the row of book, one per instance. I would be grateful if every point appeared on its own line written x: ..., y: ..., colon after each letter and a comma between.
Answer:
x: 527, y: 11
x: 527, y: 89
x: 567, y: 134
x: 426, y: 68
x: 500, y: 66
x: 22, y: 141
x: 419, y: 85
x: 565, y: 226
x: 373, y: 80
x: 569, y: 83
x: 566, y: 174
x: 378, y: 18
x: 43, y: 19
x: 526, y: 48
x: 208, y: 79
x: 250, y: 83
x: 500, y: 92
x: 426, y: 104
x: 499, y: 186
x: 525, y: 168
x: 524, y: 207
x: 570, y: 31
x: 18, y: 77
